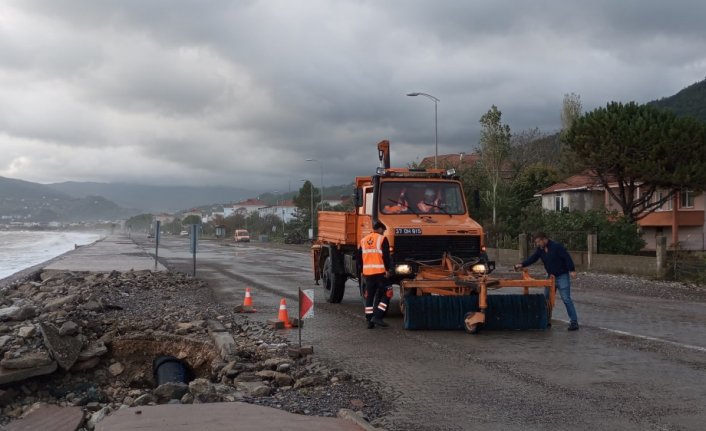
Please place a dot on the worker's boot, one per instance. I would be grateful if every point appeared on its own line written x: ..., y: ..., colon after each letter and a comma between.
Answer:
x: 573, y: 326
x: 379, y: 322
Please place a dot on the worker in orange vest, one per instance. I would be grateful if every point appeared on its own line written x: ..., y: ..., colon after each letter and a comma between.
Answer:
x: 374, y: 266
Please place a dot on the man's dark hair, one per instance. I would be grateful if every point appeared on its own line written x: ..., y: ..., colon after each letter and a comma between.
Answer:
x: 379, y: 225
x: 539, y: 235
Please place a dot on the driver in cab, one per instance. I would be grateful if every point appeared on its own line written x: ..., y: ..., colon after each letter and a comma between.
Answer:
x: 431, y: 203
x: 401, y: 206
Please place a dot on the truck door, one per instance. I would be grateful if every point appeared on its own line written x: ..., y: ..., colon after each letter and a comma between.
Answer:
x: 365, y: 213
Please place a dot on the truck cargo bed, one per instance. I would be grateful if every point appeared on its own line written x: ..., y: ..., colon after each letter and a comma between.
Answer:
x: 337, y: 227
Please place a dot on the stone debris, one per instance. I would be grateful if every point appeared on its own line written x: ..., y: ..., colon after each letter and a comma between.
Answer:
x: 93, y: 337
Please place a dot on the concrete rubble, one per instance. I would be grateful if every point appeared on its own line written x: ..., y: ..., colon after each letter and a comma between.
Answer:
x: 79, y: 339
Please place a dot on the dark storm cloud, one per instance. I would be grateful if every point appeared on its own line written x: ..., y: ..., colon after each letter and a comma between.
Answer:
x: 242, y: 92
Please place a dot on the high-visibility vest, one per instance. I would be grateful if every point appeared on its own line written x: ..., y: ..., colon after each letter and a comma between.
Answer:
x: 371, y: 245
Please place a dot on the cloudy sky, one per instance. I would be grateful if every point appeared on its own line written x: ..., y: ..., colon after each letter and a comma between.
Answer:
x: 242, y: 92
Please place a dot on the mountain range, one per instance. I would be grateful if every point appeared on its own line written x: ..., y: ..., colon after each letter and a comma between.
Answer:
x: 153, y: 199
x: 72, y: 201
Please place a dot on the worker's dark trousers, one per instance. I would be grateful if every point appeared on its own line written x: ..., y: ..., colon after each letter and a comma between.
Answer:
x: 376, y: 286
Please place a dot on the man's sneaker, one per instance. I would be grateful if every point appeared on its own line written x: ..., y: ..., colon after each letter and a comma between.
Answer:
x: 379, y: 322
x: 573, y: 326
x: 371, y: 325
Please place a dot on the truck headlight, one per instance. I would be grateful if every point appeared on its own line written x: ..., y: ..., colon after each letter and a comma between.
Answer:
x: 479, y: 269
x: 403, y: 269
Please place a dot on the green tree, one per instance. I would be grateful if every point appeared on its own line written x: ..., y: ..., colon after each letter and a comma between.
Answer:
x: 303, y: 199
x: 531, y: 180
x: 173, y: 227
x: 636, y: 150
x: 571, y: 109
x: 494, y: 150
x: 191, y: 219
x: 532, y: 147
x: 141, y: 222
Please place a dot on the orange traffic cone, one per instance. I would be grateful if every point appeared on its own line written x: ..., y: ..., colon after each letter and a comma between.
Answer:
x: 248, y: 299
x: 283, y: 316
x: 246, y: 307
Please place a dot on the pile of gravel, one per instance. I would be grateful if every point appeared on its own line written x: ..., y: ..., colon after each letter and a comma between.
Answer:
x: 634, y: 285
x: 89, y: 340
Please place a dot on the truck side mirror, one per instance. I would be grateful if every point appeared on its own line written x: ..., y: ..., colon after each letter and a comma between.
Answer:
x: 476, y: 199
x: 358, y: 197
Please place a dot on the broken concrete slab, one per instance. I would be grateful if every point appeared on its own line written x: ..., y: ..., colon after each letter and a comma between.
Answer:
x: 300, y: 352
x: 64, y: 349
x: 59, y: 303
x: 219, y: 417
x: 9, y: 376
x: 95, y: 348
x: 215, y: 326
x: 225, y: 344
x: 28, y: 360
x: 244, y: 309
x: 17, y: 313
x: 49, y: 417
x: 256, y: 389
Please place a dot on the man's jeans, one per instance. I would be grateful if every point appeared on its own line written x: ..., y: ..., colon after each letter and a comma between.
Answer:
x: 563, y: 285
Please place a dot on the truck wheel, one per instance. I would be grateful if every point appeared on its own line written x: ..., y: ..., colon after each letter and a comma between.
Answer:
x: 334, y: 284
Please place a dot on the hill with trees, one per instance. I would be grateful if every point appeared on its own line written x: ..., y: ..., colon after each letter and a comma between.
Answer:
x: 155, y: 199
x: 24, y: 201
x: 689, y: 102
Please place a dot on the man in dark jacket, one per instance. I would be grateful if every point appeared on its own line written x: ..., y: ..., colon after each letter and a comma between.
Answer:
x: 557, y: 261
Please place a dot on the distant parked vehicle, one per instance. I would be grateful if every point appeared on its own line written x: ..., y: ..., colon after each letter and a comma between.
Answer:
x: 241, y: 235
x: 184, y: 233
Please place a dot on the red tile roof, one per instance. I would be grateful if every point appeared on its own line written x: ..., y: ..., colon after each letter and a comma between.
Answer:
x: 582, y: 181
x: 450, y: 160
x: 250, y: 202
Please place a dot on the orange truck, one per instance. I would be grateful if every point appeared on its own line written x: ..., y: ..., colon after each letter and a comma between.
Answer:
x: 437, y: 250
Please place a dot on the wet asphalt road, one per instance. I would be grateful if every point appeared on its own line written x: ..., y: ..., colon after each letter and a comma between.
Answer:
x: 637, y: 363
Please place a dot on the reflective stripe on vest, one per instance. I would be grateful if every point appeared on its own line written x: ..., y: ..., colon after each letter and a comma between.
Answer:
x: 371, y: 245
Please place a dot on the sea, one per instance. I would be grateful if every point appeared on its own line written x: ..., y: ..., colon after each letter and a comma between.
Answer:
x: 20, y: 250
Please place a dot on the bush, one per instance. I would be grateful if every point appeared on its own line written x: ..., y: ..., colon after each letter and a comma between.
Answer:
x: 615, y: 234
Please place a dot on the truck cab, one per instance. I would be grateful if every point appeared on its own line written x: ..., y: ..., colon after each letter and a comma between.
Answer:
x: 426, y: 216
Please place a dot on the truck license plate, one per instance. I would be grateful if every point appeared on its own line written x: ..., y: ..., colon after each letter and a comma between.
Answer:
x: 408, y: 231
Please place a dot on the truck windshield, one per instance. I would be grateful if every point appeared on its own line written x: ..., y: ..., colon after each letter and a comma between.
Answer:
x: 421, y: 197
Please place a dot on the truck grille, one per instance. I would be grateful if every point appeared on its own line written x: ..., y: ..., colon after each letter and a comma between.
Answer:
x: 432, y: 247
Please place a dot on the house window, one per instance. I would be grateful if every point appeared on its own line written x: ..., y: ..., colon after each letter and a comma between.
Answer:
x: 686, y: 199
x: 558, y: 202
x: 666, y: 206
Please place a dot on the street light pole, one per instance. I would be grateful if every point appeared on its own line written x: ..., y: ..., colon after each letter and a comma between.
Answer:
x: 311, y: 189
x: 321, y: 167
x: 436, y: 124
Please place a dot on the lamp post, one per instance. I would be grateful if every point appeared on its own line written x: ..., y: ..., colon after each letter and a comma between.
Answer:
x: 311, y: 189
x: 321, y: 167
x: 436, y: 124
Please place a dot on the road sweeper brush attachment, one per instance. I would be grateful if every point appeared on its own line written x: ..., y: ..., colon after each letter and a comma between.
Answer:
x: 450, y: 296
x: 504, y: 311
